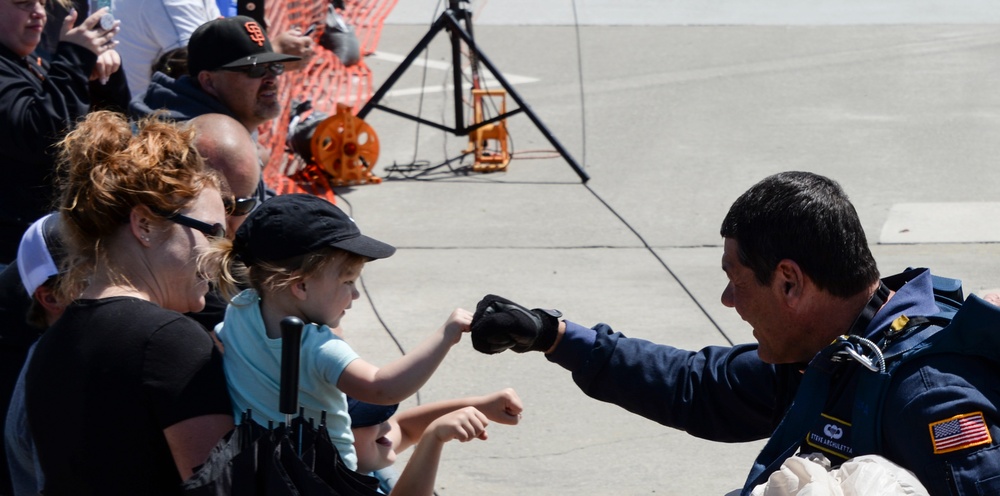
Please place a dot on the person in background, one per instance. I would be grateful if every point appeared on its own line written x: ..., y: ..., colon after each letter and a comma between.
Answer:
x: 28, y: 306
x: 228, y: 148
x: 38, y: 259
x: 144, y: 382
x: 41, y: 100
x: 151, y: 28
x: 232, y: 70
x: 380, y: 433
x: 155, y: 31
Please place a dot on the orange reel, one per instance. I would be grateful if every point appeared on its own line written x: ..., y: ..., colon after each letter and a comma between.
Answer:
x: 346, y: 147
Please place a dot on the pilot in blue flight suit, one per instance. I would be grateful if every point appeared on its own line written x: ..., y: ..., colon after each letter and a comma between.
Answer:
x: 801, y: 274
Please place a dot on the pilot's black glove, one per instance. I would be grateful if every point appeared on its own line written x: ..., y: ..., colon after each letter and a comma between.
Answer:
x: 500, y: 324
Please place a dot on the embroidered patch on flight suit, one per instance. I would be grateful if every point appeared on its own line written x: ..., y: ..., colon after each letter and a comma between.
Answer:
x: 831, y: 435
x: 959, y: 432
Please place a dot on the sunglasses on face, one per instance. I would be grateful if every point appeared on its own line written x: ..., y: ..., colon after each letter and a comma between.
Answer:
x: 256, y: 71
x: 210, y: 230
x: 238, y: 207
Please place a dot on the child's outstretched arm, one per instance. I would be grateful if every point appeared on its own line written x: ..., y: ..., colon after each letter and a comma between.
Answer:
x: 420, y: 473
x: 401, y: 378
x: 502, y: 407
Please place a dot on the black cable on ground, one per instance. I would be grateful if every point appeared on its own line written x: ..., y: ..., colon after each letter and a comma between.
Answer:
x: 583, y: 124
x: 662, y: 263
x: 378, y: 316
x: 414, y: 165
x: 579, y: 74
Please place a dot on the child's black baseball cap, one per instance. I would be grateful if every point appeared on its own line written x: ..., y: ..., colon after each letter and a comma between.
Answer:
x: 292, y: 225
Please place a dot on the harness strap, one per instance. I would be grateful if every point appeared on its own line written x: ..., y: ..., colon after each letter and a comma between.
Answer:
x: 866, y: 420
x: 810, y: 398
x: 913, y: 338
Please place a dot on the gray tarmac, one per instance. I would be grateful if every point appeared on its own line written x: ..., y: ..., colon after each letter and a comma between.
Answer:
x: 672, y: 116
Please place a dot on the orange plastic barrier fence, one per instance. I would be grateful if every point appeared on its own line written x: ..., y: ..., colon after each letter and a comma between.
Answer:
x: 324, y: 82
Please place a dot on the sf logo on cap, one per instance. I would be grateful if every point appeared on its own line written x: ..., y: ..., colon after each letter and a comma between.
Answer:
x: 255, y: 33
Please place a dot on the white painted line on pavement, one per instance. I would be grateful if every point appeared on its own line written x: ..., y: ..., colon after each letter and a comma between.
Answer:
x: 488, y: 81
x: 973, y: 222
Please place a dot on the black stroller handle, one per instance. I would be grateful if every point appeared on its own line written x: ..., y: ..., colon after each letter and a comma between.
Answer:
x: 291, y: 339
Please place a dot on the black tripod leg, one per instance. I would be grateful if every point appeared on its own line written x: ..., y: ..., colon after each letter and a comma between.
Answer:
x: 436, y: 28
x: 448, y: 20
x: 481, y: 57
x: 456, y: 70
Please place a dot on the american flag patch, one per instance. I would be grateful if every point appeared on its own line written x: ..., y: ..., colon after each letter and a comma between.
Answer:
x: 960, y: 432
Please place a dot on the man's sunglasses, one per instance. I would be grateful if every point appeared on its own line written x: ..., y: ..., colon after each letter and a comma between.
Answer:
x: 238, y: 207
x: 256, y: 70
x: 210, y: 230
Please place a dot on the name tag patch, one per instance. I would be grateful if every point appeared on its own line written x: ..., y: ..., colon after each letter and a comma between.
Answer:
x: 833, y: 436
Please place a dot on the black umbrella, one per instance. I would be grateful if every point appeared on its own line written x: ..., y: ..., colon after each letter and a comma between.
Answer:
x: 294, y: 458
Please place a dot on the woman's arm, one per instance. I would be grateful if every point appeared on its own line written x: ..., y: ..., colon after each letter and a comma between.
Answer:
x: 191, y: 440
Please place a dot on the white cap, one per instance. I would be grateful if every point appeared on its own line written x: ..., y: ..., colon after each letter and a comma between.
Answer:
x: 35, y: 261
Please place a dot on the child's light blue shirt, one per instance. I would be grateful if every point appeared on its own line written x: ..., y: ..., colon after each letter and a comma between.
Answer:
x: 252, y: 362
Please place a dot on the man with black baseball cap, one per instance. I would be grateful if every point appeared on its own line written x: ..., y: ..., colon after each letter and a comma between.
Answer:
x: 233, y: 70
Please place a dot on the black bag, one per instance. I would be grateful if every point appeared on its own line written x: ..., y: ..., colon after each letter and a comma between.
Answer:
x: 339, y: 38
x: 294, y: 459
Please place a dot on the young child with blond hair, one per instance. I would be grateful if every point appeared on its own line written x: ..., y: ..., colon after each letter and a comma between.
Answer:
x: 301, y: 256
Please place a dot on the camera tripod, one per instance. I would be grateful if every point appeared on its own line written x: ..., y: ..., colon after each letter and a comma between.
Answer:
x: 458, y: 21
